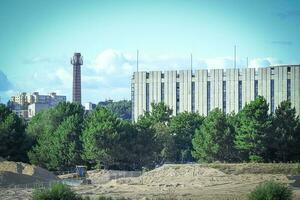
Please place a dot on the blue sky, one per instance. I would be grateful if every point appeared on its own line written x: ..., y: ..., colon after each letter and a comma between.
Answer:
x: 38, y: 38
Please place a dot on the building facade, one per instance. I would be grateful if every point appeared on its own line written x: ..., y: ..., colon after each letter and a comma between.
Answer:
x: 35, y: 108
x: 28, y: 104
x: 203, y: 90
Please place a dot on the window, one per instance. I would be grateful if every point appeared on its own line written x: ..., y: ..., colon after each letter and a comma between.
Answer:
x: 147, y: 75
x: 132, y: 100
x: 289, y: 70
x: 208, y: 96
x: 240, y: 95
x: 272, y: 71
x: 255, y: 88
x: 288, y: 89
x: 193, y: 96
x: 162, y: 92
x: 177, y: 97
x: 147, y: 97
x: 224, y: 96
x: 162, y: 75
x: 240, y: 72
x: 272, y: 96
x: 177, y: 75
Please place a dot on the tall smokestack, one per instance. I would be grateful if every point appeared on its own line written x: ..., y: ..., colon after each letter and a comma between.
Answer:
x: 76, y: 61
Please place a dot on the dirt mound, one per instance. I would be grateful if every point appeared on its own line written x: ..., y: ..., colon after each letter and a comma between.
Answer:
x: 14, y: 173
x: 175, y: 174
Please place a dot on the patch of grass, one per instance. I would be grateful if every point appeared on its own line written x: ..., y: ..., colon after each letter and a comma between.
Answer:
x: 298, y: 168
x: 271, y: 190
x: 64, y: 192
x: 56, y: 192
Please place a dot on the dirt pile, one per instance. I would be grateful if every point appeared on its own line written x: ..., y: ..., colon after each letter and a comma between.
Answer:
x: 176, y: 174
x: 15, y: 173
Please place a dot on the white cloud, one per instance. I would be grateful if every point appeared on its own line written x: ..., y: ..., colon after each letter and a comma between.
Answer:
x: 111, y: 62
x: 264, y: 62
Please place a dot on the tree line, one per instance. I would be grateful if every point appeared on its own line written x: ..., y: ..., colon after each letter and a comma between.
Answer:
x: 64, y: 136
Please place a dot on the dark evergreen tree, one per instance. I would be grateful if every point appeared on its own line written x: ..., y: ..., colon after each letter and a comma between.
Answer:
x: 14, y: 143
x: 57, y: 132
x: 182, y: 128
x: 252, y: 125
x: 214, y: 141
x: 283, y: 141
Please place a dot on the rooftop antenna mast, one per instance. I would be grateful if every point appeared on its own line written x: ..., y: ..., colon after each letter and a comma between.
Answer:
x: 234, y: 56
x: 137, y: 60
x: 191, y: 62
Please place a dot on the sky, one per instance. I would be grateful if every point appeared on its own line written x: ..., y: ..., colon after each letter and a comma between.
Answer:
x: 38, y: 38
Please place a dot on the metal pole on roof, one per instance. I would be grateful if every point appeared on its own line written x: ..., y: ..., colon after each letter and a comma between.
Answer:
x: 234, y: 56
x: 191, y: 62
x: 137, y: 60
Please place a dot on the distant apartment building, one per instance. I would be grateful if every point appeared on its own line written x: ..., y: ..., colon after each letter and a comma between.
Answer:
x: 35, y: 108
x: 28, y: 104
x: 203, y: 90
x: 89, y: 106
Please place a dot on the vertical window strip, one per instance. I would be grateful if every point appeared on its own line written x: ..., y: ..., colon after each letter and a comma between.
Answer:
x: 255, y: 88
x: 240, y: 95
x: 208, y: 97
x: 177, y: 97
x: 224, y: 96
x: 162, y: 94
x: 272, y: 96
x: 288, y: 89
x: 193, y: 97
x: 147, y: 97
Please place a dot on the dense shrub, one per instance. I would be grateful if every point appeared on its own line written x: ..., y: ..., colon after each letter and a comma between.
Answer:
x: 298, y: 168
x: 63, y: 192
x: 56, y: 192
x: 271, y: 190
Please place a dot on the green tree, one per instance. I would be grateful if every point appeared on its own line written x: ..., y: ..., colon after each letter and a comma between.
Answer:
x: 121, y: 109
x: 252, y: 124
x: 283, y: 140
x: 156, y: 122
x: 182, y: 128
x: 160, y: 113
x: 100, y: 137
x: 164, y: 144
x: 214, y: 140
x: 145, y: 146
x: 14, y: 143
x: 57, y: 132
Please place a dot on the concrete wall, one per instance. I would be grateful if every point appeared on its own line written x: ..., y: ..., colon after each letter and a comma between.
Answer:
x: 279, y: 74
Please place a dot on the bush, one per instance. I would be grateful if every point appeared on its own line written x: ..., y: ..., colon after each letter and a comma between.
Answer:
x: 56, y: 192
x: 255, y: 159
x: 298, y: 168
x: 271, y: 190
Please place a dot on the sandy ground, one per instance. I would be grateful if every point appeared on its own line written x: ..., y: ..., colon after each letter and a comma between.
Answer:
x: 172, y: 182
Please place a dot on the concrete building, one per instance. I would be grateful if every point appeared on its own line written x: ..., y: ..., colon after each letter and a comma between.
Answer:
x: 203, y: 90
x: 76, y: 61
x: 89, y: 106
x: 34, y: 108
x: 20, y: 103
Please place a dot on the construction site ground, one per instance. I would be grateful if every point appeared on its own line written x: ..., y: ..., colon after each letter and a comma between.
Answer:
x: 180, y: 181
